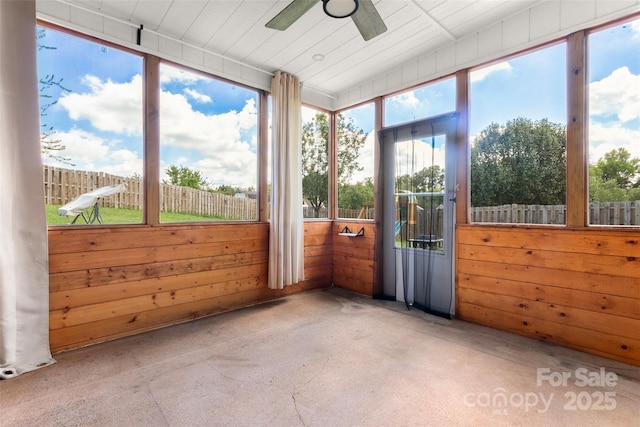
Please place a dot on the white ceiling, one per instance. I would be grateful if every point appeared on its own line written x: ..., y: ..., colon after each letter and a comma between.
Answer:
x: 229, y: 38
x: 235, y: 29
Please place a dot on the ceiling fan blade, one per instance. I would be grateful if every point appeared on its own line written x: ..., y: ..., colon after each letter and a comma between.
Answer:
x: 290, y: 14
x: 368, y: 20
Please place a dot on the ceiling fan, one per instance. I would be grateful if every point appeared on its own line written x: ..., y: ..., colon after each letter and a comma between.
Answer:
x: 363, y: 13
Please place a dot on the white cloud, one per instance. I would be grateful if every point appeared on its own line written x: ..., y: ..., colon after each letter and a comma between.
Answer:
x: 180, y: 161
x: 122, y: 163
x: 109, y: 106
x: 366, y: 160
x: 421, y: 153
x: 604, y: 138
x: 635, y: 28
x: 308, y: 113
x: 617, y: 94
x: 224, y: 158
x: 82, y: 147
x: 482, y: 73
x: 407, y: 99
x: 170, y: 74
x: 217, y: 142
x: 614, y: 107
x: 91, y: 152
x: 238, y: 172
x: 197, y: 96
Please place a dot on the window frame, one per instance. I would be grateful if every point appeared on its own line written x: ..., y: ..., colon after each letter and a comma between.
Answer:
x: 569, y: 108
x: 585, y: 46
x: 377, y: 105
x: 331, y: 168
x: 260, y: 105
x: 144, y: 58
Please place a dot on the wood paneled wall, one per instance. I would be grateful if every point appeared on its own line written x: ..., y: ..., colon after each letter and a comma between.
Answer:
x: 112, y: 282
x: 353, y: 257
x: 573, y: 287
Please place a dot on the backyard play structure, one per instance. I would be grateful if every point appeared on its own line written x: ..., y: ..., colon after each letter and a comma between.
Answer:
x: 418, y: 226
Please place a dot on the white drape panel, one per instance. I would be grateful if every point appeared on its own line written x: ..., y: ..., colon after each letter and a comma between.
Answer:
x: 24, y: 276
x: 286, y: 237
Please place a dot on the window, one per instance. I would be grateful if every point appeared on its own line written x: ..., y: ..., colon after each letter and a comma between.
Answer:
x: 91, y: 118
x: 208, y: 148
x: 427, y: 101
x: 614, y: 125
x: 355, y: 162
x: 518, y: 139
x: 315, y: 162
x: 419, y: 191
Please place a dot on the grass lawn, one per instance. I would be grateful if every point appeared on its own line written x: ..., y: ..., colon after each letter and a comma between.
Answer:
x: 125, y: 216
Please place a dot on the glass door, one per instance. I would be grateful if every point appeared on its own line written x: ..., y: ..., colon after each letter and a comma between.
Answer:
x: 419, y: 203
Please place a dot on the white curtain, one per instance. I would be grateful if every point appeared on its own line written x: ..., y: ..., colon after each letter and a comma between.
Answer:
x: 286, y: 237
x: 24, y: 276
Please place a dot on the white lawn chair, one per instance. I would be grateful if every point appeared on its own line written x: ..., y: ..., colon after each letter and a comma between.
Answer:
x: 87, y: 206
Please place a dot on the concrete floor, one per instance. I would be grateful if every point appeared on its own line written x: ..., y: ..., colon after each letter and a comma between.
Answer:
x: 323, y: 358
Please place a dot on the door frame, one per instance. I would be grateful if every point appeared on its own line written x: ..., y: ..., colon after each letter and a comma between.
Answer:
x: 441, y: 124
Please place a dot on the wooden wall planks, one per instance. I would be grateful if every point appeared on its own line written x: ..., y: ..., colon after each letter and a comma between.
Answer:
x: 353, y: 257
x: 573, y: 287
x: 112, y: 282
x: 576, y: 288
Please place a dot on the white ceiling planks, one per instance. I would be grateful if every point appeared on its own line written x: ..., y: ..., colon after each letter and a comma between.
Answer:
x: 205, y: 26
x: 345, y: 49
x: 121, y: 9
x: 180, y: 17
x: 150, y: 13
x: 238, y: 28
x: 312, y: 31
x: 478, y: 15
x: 337, y: 46
x: 446, y: 31
x: 410, y: 38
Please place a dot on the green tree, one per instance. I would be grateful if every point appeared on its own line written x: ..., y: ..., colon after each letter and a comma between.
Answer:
x: 614, y: 177
x: 315, y: 161
x: 351, y: 139
x: 353, y: 196
x: 604, y: 191
x: 185, y: 177
x: 521, y: 162
x: 428, y: 179
x: 618, y: 165
x: 315, y: 157
x: 50, y: 146
x: 230, y: 190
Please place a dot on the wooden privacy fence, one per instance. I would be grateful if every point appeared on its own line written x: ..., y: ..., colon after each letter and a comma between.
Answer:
x: 519, y: 214
x: 63, y: 185
x: 600, y: 213
x: 174, y: 198
x: 615, y: 213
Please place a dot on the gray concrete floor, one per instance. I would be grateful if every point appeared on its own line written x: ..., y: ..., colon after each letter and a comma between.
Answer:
x: 324, y: 358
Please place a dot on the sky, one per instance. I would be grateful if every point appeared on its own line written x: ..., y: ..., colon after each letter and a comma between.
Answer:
x: 425, y: 102
x: 205, y: 124
x: 210, y: 125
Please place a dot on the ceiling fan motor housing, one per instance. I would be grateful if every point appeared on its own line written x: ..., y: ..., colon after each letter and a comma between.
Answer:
x: 363, y: 12
x: 340, y: 8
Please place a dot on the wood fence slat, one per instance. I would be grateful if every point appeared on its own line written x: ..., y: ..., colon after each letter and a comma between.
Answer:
x: 63, y: 185
x: 600, y: 213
